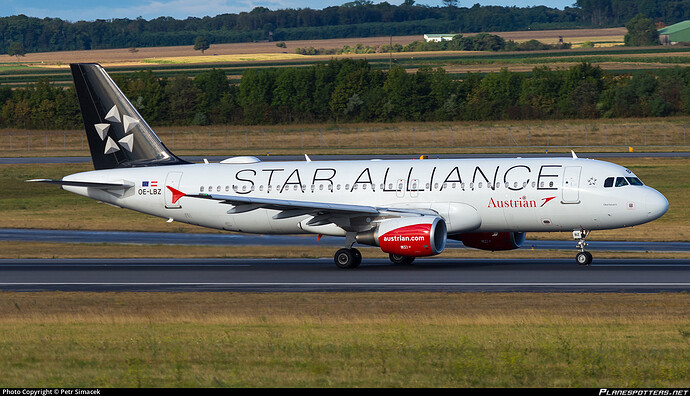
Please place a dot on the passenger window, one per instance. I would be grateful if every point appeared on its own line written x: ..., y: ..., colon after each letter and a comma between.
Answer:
x: 634, y: 181
x: 608, y: 182
x: 202, y: 189
x: 620, y: 182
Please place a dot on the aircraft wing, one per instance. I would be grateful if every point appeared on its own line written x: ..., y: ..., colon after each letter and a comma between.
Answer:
x: 294, y: 208
x: 74, y: 183
x: 284, y: 204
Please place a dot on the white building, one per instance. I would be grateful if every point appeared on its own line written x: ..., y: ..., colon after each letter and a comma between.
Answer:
x: 438, y: 37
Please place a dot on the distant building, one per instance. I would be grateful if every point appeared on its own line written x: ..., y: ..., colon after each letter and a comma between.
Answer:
x: 438, y: 37
x: 678, y: 33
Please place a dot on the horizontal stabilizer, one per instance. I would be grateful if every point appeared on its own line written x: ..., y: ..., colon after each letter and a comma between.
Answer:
x: 74, y: 183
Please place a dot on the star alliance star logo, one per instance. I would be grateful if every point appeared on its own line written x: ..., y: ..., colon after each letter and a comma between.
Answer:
x: 126, y: 142
x: 592, y: 181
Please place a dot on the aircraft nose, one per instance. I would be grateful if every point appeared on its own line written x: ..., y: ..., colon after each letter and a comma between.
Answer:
x: 656, y: 204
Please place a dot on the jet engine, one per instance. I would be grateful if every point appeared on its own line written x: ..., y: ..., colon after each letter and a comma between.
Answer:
x: 492, y: 240
x: 408, y: 236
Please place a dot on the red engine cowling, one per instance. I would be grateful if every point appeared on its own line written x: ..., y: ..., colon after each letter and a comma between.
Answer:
x: 493, y: 240
x: 408, y: 236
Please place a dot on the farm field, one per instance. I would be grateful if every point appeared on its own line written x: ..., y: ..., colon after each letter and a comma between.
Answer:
x: 124, y: 55
x: 234, y: 58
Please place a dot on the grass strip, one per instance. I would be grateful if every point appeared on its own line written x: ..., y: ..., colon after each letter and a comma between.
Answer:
x: 59, y: 339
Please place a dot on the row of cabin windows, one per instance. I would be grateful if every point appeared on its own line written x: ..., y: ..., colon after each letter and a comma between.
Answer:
x: 622, y: 181
x: 413, y: 186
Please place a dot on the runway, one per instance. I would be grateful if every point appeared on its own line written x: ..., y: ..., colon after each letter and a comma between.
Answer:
x: 340, y: 157
x: 230, y: 239
x: 321, y: 275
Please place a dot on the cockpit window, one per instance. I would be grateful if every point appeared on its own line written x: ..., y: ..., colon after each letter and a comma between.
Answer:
x: 622, y: 181
x: 634, y: 181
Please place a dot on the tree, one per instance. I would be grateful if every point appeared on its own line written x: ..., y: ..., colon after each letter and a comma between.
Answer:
x: 641, y: 31
x: 201, y: 43
x: 16, y: 49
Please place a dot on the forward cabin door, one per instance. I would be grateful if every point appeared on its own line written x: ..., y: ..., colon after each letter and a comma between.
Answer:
x: 172, y: 180
x: 571, y: 184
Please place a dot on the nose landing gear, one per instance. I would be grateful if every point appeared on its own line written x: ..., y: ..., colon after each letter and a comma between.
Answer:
x: 583, y: 257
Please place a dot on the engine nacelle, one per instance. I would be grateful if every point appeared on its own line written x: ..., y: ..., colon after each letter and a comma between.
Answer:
x: 408, y: 236
x: 493, y: 240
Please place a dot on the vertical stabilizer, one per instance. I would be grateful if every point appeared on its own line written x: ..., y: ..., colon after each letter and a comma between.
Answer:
x: 117, y: 134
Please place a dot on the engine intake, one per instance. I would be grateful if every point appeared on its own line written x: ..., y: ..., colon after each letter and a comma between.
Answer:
x: 493, y: 240
x: 408, y: 236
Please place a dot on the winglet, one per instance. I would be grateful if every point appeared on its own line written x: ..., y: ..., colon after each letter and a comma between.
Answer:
x: 574, y: 155
x: 306, y: 157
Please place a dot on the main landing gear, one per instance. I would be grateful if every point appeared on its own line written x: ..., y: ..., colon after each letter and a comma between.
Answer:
x: 583, y: 257
x: 347, y: 258
x: 401, y: 260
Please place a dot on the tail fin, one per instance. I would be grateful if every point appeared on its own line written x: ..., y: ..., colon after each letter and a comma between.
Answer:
x: 118, y: 136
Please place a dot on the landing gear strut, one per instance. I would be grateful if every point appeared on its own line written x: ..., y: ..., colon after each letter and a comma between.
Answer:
x: 583, y: 257
x: 347, y: 258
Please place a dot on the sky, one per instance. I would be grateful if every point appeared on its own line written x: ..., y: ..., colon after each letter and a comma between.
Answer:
x: 89, y: 10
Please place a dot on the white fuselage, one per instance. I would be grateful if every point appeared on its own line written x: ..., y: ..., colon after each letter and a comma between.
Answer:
x: 560, y: 194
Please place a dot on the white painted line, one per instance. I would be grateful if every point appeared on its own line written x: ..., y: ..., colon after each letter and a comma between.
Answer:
x: 678, y: 284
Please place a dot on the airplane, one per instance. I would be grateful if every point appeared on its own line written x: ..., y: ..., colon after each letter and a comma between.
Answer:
x: 408, y: 208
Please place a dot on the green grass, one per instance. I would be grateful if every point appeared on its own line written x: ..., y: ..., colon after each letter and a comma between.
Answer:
x: 344, y: 340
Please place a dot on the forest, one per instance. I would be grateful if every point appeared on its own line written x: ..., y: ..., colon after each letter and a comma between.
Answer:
x: 360, y: 18
x: 353, y: 91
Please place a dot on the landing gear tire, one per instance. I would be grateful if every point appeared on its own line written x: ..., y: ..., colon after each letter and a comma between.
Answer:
x: 347, y: 258
x: 584, y: 258
x: 400, y: 260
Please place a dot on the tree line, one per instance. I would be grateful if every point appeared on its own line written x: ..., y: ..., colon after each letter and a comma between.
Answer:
x: 354, y: 91
x: 361, y: 18
x: 618, y: 12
